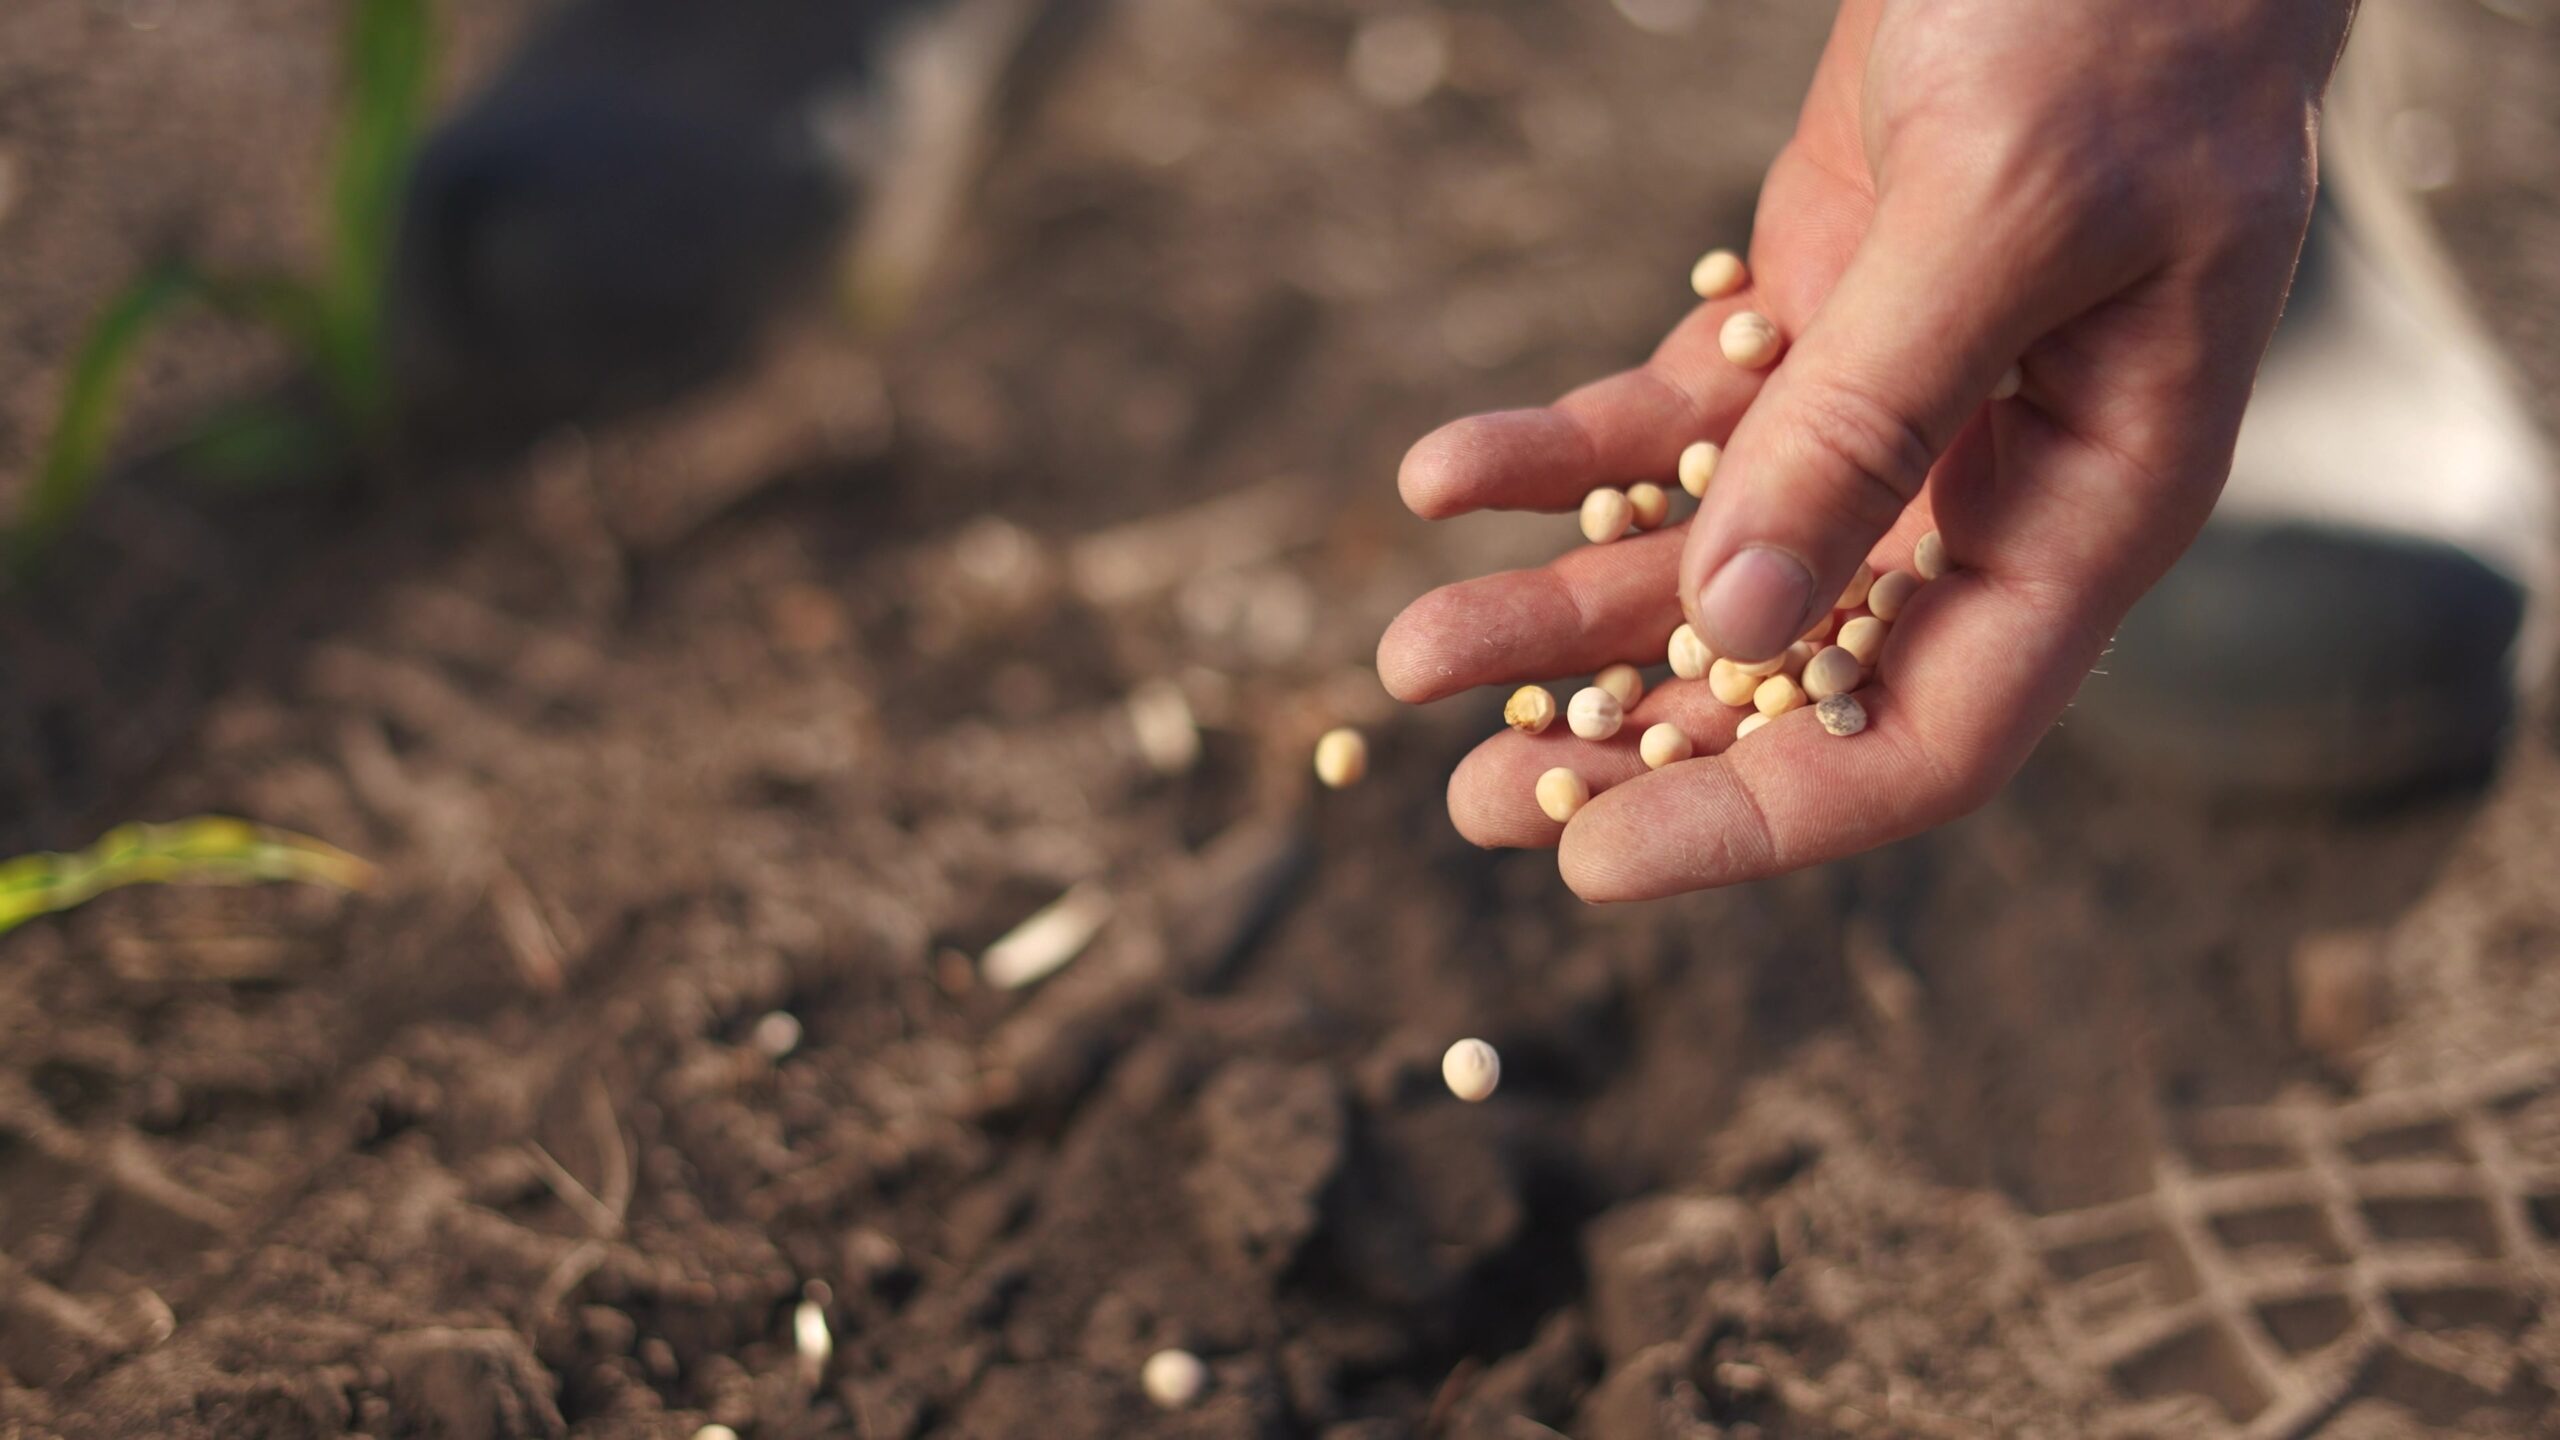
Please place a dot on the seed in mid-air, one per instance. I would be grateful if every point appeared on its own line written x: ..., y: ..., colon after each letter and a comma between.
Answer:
x: 1173, y: 1378
x: 1342, y: 758
x: 1472, y: 1070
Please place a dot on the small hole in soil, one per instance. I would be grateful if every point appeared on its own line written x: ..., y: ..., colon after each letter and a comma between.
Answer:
x: 2307, y: 1322
x: 2204, y: 1361
x: 2432, y: 1140
x: 2291, y: 1231
x: 2456, y: 1220
x: 2545, y: 1210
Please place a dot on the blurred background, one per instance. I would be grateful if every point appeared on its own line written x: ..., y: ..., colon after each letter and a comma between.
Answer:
x: 729, y: 511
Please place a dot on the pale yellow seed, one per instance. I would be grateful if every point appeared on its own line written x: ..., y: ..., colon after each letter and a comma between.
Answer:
x: 1750, y: 723
x: 1833, y: 672
x: 1856, y: 594
x: 1690, y: 656
x: 1823, y: 629
x: 1664, y: 744
x: 1530, y: 710
x: 1606, y: 514
x: 1749, y: 339
x: 1562, y: 794
x: 1762, y: 669
x: 2012, y: 380
x: 1698, y: 467
x: 1594, y: 713
x: 1624, y: 681
x: 1777, y: 695
x: 1863, y: 638
x: 1471, y: 1069
x: 1650, y: 504
x: 1342, y: 757
x: 1717, y: 274
x: 1173, y: 1378
x: 1892, y: 591
x: 1730, y: 683
x: 1929, y: 557
x: 1841, y: 715
x: 1797, y: 657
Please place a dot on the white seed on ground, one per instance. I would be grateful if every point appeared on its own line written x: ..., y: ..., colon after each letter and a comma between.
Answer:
x: 1562, y: 794
x: 1039, y: 946
x: 1822, y: 629
x: 1798, y: 656
x: 1664, y: 744
x: 1472, y: 1070
x: 1841, y: 715
x: 1717, y: 274
x: 1892, y: 592
x: 1929, y: 557
x: 1777, y: 695
x: 1833, y: 672
x: 2012, y: 380
x: 1698, y: 467
x: 1856, y: 594
x: 1690, y: 656
x: 1749, y: 339
x: 1750, y: 723
x: 1342, y: 758
x: 1594, y: 713
x: 1650, y: 504
x: 1624, y: 681
x: 1606, y: 514
x: 1863, y: 638
x: 1731, y: 683
x: 776, y: 1035
x: 715, y: 1431
x: 812, y: 1340
x: 1530, y: 710
x: 1173, y: 1378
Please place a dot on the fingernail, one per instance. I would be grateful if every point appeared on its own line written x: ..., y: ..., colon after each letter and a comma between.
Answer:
x: 1756, y: 604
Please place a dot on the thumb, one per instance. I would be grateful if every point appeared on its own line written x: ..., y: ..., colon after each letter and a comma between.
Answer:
x: 1903, y: 351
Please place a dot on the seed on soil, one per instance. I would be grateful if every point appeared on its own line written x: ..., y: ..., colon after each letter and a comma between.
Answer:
x: 776, y: 1035
x: 1650, y: 504
x: 1173, y: 1378
x: 1167, y: 731
x: 1749, y: 339
x: 2012, y: 380
x: 1833, y: 672
x: 1606, y: 514
x: 1040, y: 946
x: 1841, y: 715
x: 1562, y: 794
x: 1594, y: 713
x: 1717, y: 274
x: 1530, y: 710
x: 1690, y: 656
x: 1891, y: 593
x: 1863, y: 638
x: 812, y: 1340
x: 1664, y: 744
x: 1698, y: 467
x: 1750, y: 723
x: 1777, y: 695
x: 1731, y: 683
x: 1472, y: 1070
x: 1624, y: 681
x: 1856, y: 594
x: 1929, y: 557
x: 1342, y: 758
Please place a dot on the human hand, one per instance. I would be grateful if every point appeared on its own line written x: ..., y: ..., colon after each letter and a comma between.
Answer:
x: 2111, y: 194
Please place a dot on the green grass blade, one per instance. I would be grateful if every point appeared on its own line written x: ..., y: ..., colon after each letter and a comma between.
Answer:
x: 86, y: 421
x: 207, y: 850
x: 388, y: 55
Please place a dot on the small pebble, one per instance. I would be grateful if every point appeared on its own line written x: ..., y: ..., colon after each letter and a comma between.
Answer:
x: 1777, y: 695
x: 1929, y: 557
x: 2012, y: 380
x: 1664, y: 744
x: 1624, y: 681
x: 1841, y: 715
x: 1698, y: 467
x: 1650, y: 504
x: 1749, y: 339
x: 1730, y: 683
x: 1863, y: 638
x: 1750, y: 723
x: 1690, y: 656
x: 1717, y: 274
x: 1562, y: 794
x: 1833, y: 672
x: 1856, y: 594
x: 1173, y: 1378
x: 1342, y: 758
x: 1472, y: 1070
x: 1530, y: 710
x: 1606, y: 514
x: 1594, y: 713
x: 1891, y: 592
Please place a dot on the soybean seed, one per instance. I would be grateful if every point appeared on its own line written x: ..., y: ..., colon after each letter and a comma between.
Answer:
x: 1841, y: 715
x: 2012, y: 380
x: 1892, y: 592
x: 1730, y: 683
x: 1797, y: 656
x: 1856, y: 594
x: 1777, y: 695
x: 1762, y: 669
x: 1562, y: 794
x: 1822, y: 629
x: 1750, y: 723
x: 1342, y: 758
x: 1530, y: 710
x: 1650, y: 504
x: 1472, y: 1069
x: 1624, y: 681
x: 1863, y: 638
x: 1929, y: 557
x: 1606, y: 514
x: 1717, y: 274
x: 1749, y: 339
x: 1690, y: 656
x: 1664, y: 744
x: 1698, y: 467
x: 1594, y: 713
x: 1173, y: 1378
x: 1833, y: 672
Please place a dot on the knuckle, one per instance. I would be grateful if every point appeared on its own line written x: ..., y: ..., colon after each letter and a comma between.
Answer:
x: 1882, y: 455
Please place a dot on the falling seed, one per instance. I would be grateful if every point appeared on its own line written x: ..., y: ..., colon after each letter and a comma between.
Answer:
x: 1863, y: 638
x: 1698, y: 467
x: 1690, y: 656
x: 1472, y: 1069
x: 1664, y: 744
x: 1717, y: 274
x: 1841, y: 715
x: 1173, y: 1378
x: 1041, y: 945
x: 1562, y: 794
x: 1751, y: 723
x: 1624, y: 681
x: 1650, y: 504
x: 1891, y: 592
x: 1168, y: 734
x: 715, y: 1431
x: 1749, y: 339
x: 776, y: 1035
x: 812, y: 1340
x: 1530, y: 710
x: 1606, y: 514
x: 1594, y: 713
x: 1835, y: 671
x: 1342, y: 758
x: 1929, y: 557
x: 1777, y: 695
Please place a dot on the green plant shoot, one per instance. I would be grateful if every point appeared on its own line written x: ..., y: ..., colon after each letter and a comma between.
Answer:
x: 206, y: 850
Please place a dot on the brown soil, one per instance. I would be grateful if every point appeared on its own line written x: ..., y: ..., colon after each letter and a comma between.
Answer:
x: 793, y: 699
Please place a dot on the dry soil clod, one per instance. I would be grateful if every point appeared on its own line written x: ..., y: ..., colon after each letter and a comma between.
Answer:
x: 1342, y: 758
x: 1664, y: 744
x: 1698, y: 467
x: 1594, y: 713
x: 1624, y: 681
x: 1530, y: 710
x: 1606, y: 514
x: 1841, y: 715
x: 1749, y: 339
x: 1472, y: 1070
x: 1718, y: 273
x: 1891, y: 592
x: 1689, y: 655
x: 1562, y: 794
